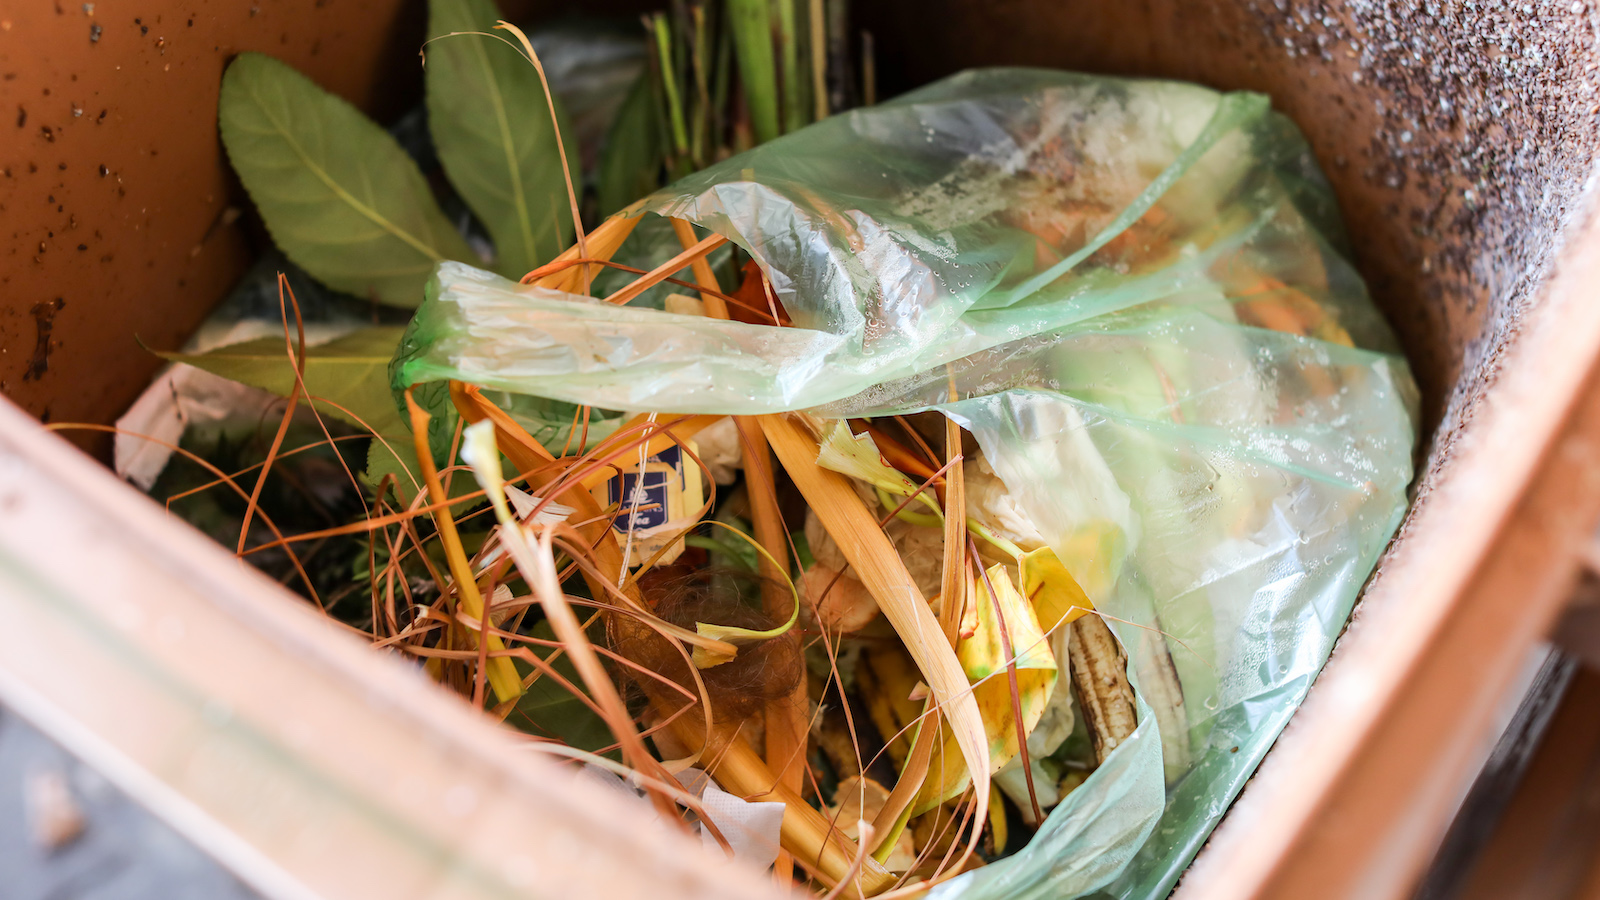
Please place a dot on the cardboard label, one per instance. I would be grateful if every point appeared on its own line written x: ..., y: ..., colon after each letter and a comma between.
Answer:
x: 656, y: 505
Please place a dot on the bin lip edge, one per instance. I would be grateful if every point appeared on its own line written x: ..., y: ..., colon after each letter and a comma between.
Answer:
x: 1491, y: 470
x: 255, y: 602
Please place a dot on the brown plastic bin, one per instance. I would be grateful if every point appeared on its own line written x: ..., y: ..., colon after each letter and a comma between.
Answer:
x: 1461, y: 141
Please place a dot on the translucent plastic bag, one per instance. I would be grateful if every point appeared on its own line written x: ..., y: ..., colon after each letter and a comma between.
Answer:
x: 1135, y: 295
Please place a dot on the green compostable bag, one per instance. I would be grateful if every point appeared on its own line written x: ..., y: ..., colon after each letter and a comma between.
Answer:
x: 1135, y: 295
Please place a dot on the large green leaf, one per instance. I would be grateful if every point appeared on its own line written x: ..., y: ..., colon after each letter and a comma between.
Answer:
x: 491, y: 125
x: 352, y: 372
x: 550, y: 710
x: 630, y: 164
x: 337, y: 193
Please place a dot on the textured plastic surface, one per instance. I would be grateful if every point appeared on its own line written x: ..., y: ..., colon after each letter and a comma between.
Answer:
x: 1135, y: 292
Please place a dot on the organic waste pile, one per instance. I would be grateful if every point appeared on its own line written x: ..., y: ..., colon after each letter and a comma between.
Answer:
x: 961, y: 490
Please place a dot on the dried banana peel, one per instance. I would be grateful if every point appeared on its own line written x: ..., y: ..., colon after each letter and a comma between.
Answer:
x: 1164, y: 693
x: 1100, y: 670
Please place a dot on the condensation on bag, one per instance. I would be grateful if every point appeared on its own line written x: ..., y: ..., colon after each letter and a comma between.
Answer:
x: 1134, y: 294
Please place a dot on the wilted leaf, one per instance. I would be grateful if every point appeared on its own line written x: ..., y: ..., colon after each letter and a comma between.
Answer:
x: 630, y: 164
x: 352, y: 372
x: 857, y: 456
x: 491, y: 126
x: 982, y: 653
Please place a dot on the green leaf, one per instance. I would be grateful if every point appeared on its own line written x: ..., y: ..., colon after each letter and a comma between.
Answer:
x: 386, y: 460
x: 352, y: 372
x: 630, y: 164
x: 550, y: 710
x: 399, y: 458
x: 491, y: 125
x: 751, y: 22
x: 337, y: 193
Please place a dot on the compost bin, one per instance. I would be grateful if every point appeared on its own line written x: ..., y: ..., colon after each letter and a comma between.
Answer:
x: 1460, y: 140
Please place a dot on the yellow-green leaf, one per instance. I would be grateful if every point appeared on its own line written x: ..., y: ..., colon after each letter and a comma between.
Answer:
x: 338, y: 194
x: 983, y: 657
x: 982, y: 653
x: 350, y: 375
x: 857, y: 456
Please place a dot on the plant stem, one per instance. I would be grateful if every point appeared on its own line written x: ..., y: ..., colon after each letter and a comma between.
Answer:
x: 700, y: 142
x: 669, y: 83
x: 794, y: 84
x: 503, y: 677
x: 751, y: 23
x: 869, y: 71
x: 819, y: 61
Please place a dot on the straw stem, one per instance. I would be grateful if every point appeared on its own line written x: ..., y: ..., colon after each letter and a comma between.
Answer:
x: 881, y: 571
x: 503, y: 676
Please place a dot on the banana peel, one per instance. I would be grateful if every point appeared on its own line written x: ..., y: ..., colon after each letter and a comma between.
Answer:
x: 886, y: 679
x: 983, y: 659
x: 1100, y: 671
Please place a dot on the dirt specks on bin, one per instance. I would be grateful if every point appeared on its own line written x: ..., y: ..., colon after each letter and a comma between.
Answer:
x: 44, y: 317
x: 1487, y: 132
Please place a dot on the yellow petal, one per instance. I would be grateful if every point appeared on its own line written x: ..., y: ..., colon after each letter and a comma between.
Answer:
x: 1056, y: 596
x: 857, y: 456
x: 1093, y: 553
x: 983, y: 653
x: 982, y: 656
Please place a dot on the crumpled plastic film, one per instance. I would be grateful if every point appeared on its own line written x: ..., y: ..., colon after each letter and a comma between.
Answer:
x: 1132, y: 293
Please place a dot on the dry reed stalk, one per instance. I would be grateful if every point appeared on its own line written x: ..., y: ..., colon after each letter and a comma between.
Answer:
x: 785, y: 718
x: 896, y: 812
x: 561, y: 147
x: 953, y: 588
x: 893, y: 817
x: 539, y: 569
x: 502, y: 672
x: 279, y: 540
x: 288, y: 415
x: 726, y: 755
x: 786, y: 725
x: 878, y: 566
x: 549, y: 269
x: 658, y: 441
x: 602, y: 243
x: 716, y: 307
x: 819, y: 61
x: 667, y: 269
x: 806, y: 832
